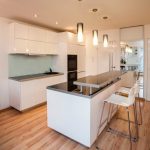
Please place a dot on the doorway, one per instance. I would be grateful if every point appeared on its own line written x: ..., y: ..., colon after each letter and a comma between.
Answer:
x: 132, y: 59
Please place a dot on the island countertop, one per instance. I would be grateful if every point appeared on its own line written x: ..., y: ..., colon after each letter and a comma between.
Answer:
x: 97, y: 82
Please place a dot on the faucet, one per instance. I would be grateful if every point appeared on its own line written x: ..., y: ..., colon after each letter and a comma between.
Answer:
x: 50, y: 70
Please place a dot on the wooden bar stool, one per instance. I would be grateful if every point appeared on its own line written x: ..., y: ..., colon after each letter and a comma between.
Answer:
x: 124, y: 102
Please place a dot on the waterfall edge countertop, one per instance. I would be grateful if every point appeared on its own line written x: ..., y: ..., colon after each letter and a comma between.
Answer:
x: 34, y: 76
x: 97, y: 82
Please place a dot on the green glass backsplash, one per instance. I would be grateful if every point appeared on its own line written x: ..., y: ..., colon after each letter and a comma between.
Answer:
x: 24, y: 65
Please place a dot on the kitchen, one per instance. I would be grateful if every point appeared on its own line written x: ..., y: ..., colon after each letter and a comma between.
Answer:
x: 37, y: 60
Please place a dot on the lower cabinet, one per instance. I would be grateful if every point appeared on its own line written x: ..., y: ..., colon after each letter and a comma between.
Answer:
x: 81, y: 74
x: 26, y: 94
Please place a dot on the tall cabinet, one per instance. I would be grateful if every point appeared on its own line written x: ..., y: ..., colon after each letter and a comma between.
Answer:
x: 70, y: 46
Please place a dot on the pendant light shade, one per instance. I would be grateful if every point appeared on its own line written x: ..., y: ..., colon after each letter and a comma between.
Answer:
x: 80, y: 32
x: 95, y: 37
x: 105, y: 40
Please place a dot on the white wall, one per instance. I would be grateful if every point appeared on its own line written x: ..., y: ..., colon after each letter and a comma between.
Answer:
x: 97, y: 58
x: 147, y: 62
x: 4, y: 46
x: 91, y: 56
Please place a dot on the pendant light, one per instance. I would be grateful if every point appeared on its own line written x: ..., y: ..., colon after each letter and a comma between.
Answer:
x: 80, y: 32
x: 95, y: 37
x: 105, y: 40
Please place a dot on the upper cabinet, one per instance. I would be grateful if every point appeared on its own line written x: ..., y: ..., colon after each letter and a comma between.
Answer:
x: 20, y: 30
x: 27, y: 39
x: 37, y: 34
x: 70, y: 38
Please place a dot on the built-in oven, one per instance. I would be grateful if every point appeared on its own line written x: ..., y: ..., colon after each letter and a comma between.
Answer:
x: 72, y: 63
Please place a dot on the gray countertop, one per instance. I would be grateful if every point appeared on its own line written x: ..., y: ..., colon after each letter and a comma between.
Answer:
x: 100, y: 80
x: 33, y: 77
x: 112, y: 77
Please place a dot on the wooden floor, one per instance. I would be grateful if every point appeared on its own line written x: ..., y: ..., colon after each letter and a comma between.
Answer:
x: 29, y: 131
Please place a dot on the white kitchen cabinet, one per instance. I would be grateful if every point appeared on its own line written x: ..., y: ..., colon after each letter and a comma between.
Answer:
x: 36, y: 47
x: 18, y: 38
x: 81, y: 58
x: 27, y: 39
x: 81, y: 74
x: 52, y: 48
x: 72, y: 49
x: 20, y: 30
x: 51, y: 37
x: 37, y: 34
x: 26, y: 94
x: 20, y: 46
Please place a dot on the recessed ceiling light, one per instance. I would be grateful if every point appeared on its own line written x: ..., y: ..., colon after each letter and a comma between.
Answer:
x: 105, y: 17
x: 56, y: 23
x: 93, y: 10
x: 35, y: 15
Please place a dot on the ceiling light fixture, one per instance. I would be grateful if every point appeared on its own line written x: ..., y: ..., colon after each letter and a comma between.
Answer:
x: 105, y: 17
x: 95, y: 37
x: 94, y: 10
x: 35, y: 15
x: 56, y: 23
x: 105, y: 40
x: 80, y: 32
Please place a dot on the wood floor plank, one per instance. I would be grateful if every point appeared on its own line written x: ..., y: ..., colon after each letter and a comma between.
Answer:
x: 29, y: 131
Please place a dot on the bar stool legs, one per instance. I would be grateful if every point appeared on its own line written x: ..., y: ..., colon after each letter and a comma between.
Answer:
x: 129, y: 126
x: 136, y: 121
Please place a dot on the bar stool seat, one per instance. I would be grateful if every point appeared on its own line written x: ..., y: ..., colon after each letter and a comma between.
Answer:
x: 118, y: 100
x: 125, y: 90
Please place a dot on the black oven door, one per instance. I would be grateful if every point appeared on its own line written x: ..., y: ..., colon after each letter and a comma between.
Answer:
x: 72, y: 62
x: 72, y: 76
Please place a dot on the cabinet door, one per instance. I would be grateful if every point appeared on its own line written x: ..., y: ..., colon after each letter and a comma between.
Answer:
x: 72, y: 49
x: 51, y: 37
x: 21, y: 31
x: 32, y: 93
x: 81, y: 58
x: 37, y: 34
x: 51, y: 48
x: 81, y: 74
x: 36, y: 47
x: 20, y: 46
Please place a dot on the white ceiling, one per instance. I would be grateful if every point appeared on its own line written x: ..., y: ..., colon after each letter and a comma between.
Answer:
x: 121, y: 13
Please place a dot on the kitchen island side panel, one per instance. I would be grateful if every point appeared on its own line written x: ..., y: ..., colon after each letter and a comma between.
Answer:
x: 97, y: 103
x: 69, y: 115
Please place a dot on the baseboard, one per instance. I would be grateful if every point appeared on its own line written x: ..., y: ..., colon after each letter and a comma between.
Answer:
x: 5, y: 109
x: 28, y: 109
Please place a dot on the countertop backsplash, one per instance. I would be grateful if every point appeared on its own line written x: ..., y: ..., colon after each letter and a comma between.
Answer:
x: 25, y: 65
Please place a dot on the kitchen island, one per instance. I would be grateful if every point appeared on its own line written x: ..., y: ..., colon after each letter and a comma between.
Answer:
x: 76, y: 114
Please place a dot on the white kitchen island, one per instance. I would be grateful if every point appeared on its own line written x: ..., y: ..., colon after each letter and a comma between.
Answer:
x: 77, y: 115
